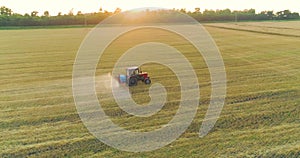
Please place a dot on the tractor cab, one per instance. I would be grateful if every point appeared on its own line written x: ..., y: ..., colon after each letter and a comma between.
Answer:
x: 134, y: 74
x: 132, y: 71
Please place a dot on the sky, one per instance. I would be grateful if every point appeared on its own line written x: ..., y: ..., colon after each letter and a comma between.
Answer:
x: 87, y: 6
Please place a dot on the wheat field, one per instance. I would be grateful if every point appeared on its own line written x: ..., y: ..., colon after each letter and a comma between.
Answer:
x: 260, y: 118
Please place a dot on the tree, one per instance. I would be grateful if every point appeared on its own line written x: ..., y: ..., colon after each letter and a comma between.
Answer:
x: 209, y: 12
x: 197, y: 10
x: 79, y: 13
x: 251, y: 11
x: 183, y: 10
x: 46, y: 13
x: 118, y: 10
x: 5, y: 11
x: 71, y: 12
x: 8, y: 18
x: 286, y: 14
x: 224, y: 12
x: 270, y: 14
x: 34, y: 13
x: 294, y: 15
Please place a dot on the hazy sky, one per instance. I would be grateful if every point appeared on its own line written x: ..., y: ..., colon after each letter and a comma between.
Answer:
x: 64, y: 6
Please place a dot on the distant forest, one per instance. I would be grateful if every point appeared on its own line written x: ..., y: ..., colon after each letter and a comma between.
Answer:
x: 9, y: 18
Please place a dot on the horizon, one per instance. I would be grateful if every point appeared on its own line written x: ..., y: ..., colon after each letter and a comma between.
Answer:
x: 21, y: 7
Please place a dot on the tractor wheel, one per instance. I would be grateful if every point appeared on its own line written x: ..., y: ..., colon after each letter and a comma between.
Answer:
x: 147, y: 81
x: 132, y: 82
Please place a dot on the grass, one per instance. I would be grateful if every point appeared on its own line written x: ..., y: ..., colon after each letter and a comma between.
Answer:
x: 260, y: 117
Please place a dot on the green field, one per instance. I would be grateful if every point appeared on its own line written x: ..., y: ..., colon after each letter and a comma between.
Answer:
x: 261, y: 116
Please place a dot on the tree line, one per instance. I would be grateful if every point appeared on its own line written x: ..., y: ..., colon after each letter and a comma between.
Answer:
x: 9, y: 18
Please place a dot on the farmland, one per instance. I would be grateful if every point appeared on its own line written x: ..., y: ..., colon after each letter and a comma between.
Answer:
x: 261, y: 115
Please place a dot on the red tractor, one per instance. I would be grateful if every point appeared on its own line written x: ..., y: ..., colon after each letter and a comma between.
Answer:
x: 133, y: 75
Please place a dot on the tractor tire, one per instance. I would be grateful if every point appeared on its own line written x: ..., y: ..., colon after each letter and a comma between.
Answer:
x: 132, y: 82
x: 147, y: 81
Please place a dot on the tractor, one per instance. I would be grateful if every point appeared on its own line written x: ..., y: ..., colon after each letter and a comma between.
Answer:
x: 133, y: 75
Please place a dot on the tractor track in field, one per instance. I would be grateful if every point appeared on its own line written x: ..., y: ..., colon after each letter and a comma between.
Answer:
x: 271, y: 27
x: 254, y: 31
